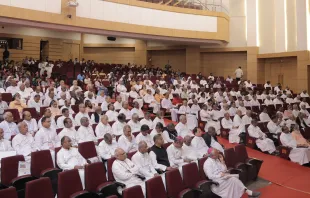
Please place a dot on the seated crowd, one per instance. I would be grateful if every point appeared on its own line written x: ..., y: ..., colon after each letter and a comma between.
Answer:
x: 84, y: 112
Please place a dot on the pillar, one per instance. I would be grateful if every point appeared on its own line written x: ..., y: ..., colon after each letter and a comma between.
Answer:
x: 252, y: 65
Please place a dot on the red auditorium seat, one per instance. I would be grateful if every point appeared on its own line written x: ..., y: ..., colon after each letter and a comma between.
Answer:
x: 39, y: 188
x: 155, y: 188
x: 201, y: 162
x: 109, y: 169
x: 129, y: 155
x: 175, y: 187
x: 234, y: 167
x: 8, y: 193
x: 242, y: 157
x: 42, y: 109
x: 192, y: 180
x: 96, y: 181
x: 249, y: 141
x: 7, y: 97
x: 56, y: 151
x: 15, y: 113
x: 75, y: 189
x: 88, y: 150
x: 224, y: 132
x: 9, y: 174
x: 32, y: 111
x: 166, y: 145
x: 135, y: 191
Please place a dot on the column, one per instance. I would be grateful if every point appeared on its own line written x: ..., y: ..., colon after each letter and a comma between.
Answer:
x: 280, y: 26
x: 252, y: 23
x: 302, y: 14
x: 252, y: 65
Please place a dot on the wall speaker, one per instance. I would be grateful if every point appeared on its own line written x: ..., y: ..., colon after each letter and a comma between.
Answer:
x: 110, y: 38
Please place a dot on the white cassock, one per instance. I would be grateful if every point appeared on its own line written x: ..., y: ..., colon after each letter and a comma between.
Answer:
x: 229, y: 187
x: 24, y: 145
x: 191, y: 119
x: 144, y: 164
x: 5, y: 145
x: 189, y: 152
x: 148, y: 122
x: 161, y: 120
x: 167, y: 104
x: 80, y: 115
x: 112, y: 115
x: 104, y: 106
x: 126, y: 112
x: 12, y: 89
x: 102, y: 129
x: 239, y: 123
x: 60, y: 121
x: 32, y: 125
x: 126, y: 145
x: 195, y: 109
x: 265, y: 144
x: 117, y: 128
x: 246, y: 120
x: 213, y: 120
x: 34, y: 104
x: 136, y: 97
x: 9, y: 129
x: 264, y: 117
x: 125, y: 172
x: 183, y: 130
x: 148, y: 139
x: 149, y: 99
x: 53, y: 123
x: 154, y: 132
x: 216, y: 145
x: 200, y: 146
x: 24, y: 94
x: 274, y: 129
x: 47, y: 139
x: 135, y: 126
x: 233, y: 133
x: 137, y: 111
x: 86, y: 134
x: 71, y: 133
x: 117, y: 105
x: 69, y: 108
x: 68, y: 159
x: 298, y: 155
x: 106, y: 151
x: 175, y: 156
x: 123, y: 92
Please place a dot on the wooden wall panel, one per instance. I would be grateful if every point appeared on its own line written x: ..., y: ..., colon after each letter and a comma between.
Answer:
x: 176, y: 58
x: 223, y: 63
x: 110, y: 54
x: 282, y: 69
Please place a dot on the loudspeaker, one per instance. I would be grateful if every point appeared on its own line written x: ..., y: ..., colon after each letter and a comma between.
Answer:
x: 110, y: 38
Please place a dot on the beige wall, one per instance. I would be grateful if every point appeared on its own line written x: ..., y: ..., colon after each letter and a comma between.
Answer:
x: 282, y: 70
x: 176, y: 58
x: 223, y: 63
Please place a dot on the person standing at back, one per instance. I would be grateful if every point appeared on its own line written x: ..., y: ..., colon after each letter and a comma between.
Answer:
x: 239, y: 74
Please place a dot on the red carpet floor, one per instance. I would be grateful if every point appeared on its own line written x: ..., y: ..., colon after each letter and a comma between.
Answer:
x: 289, y: 179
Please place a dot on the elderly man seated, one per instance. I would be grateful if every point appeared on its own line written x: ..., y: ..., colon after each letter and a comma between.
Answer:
x: 127, y: 141
x: 176, y: 155
x: 198, y: 143
x: 69, y: 130
x: 124, y: 110
x: 134, y: 123
x: 23, y: 143
x: 8, y: 126
x: 107, y: 147
x: 229, y: 185
x: 82, y: 113
x: 211, y: 139
x: 69, y: 158
x: 126, y: 172
x: 263, y: 143
x: 86, y: 132
x: 234, y: 131
x: 5, y: 144
x: 300, y: 153
x: 145, y: 136
x: 65, y: 114
x: 103, y: 127
x: 183, y: 128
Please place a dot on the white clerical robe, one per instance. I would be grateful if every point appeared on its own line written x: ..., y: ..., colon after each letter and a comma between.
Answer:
x: 137, y: 111
x: 149, y: 99
x: 12, y: 89
x: 9, y: 129
x: 200, y: 146
x: 71, y: 133
x: 191, y: 119
x: 102, y: 129
x: 144, y: 163
x: 229, y: 187
x: 125, y: 172
x: 5, y: 145
x: 53, y: 123
x: 24, y: 145
x: 189, y: 152
x: 265, y: 144
x: 135, y: 126
x: 233, y: 133
x: 86, y: 134
x: 106, y: 151
x: 136, y: 97
x: 118, y: 105
x: 246, y: 120
x: 80, y: 115
x: 34, y: 104
x: 104, y: 106
x: 68, y: 159
x: 112, y: 115
x: 60, y: 121
x: 161, y: 120
x: 175, y: 156
x: 148, y: 139
x: 126, y: 112
x: 274, y: 129
x: 213, y: 121
x: 298, y: 155
x: 117, y: 128
x: 69, y: 108
x: 183, y: 130
x: 32, y: 125
x: 148, y: 122
x: 264, y: 117
x: 126, y: 145
x: 154, y: 132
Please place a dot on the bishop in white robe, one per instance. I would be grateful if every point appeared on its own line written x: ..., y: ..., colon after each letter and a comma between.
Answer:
x: 103, y: 127
x: 107, y: 147
x: 8, y: 126
x: 127, y: 141
x: 234, y: 131
x: 86, y: 133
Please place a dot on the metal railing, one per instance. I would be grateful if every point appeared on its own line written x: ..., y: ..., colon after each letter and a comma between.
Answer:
x: 212, y: 5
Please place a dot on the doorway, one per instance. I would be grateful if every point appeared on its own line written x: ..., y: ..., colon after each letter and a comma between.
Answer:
x: 44, y: 50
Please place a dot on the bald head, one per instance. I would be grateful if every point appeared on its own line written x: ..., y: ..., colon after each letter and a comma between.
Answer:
x: 120, y: 154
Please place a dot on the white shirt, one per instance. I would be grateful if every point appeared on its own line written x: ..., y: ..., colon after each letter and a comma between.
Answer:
x: 24, y: 144
x: 102, y: 129
x: 117, y: 105
x: 200, y: 146
x: 166, y: 103
x: 273, y: 127
x: 148, y: 122
x: 32, y: 125
x: 126, y: 112
x: 106, y: 151
x: 53, y: 123
x: 239, y: 73
x: 148, y: 139
x: 246, y: 120
x: 264, y: 117
x: 183, y: 130
x: 71, y: 133
x: 118, y: 127
x: 12, y: 89
x: 79, y: 116
x: 144, y: 163
x: 288, y: 140
x: 34, y: 104
x: 112, y: 115
x: 60, y: 121
x: 156, y: 120
x: 3, y: 106
x: 135, y: 126
x: 5, y: 145
x: 68, y: 159
x: 86, y: 134
x: 175, y: 155
x: 9, y: 129
x: 137, y: 111
x: 104, y: 106
x: 47, y: 139
x: 126, y: 145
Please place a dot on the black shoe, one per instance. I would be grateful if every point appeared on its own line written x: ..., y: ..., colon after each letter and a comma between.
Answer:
x: 255, y: 194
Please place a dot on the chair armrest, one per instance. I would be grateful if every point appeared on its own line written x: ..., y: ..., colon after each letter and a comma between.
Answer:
x: 234, y: 170
x: 81, y: 194
x: 241, y: 166
x: 50, y: 171
x: 159, y: 171
x: 120, y: 184
x: 196, y: 190
x: 20, y: 182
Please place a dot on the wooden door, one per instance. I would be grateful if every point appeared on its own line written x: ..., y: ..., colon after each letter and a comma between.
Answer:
x: 75, y: 51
